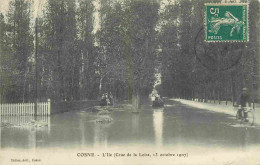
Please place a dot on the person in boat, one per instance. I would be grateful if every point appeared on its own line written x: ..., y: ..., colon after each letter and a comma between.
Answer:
x: 157, y: 102
x: 107, y: 99
x: 160, y: 101
x: 110, y: 97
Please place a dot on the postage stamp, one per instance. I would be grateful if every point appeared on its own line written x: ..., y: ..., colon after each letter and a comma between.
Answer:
x: 226, y: 22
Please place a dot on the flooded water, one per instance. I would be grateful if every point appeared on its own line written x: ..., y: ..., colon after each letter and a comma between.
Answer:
x: 174, y: 126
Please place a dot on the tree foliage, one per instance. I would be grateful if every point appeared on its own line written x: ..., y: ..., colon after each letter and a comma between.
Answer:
x: 17, y: 49
x: 195, y: 69
x: 136, y: 39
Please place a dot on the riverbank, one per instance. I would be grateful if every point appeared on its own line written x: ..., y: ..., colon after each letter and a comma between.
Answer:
x: 61, y: 107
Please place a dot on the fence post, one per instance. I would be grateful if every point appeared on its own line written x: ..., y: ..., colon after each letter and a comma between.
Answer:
x: 49, y: 107
x: 17, y: 111
x: 33, y: 108
x: 14, y: 109
x: 45, y: 108
x: 21, y: 112
x: 19, y: 107
x: 39, y: 109
x: 4, y: 107
x: 9, y: 109
x: 26, y: 107
x: 30, y: 110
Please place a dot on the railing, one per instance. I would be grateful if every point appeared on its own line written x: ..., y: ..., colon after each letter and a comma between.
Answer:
x: 22, y: 109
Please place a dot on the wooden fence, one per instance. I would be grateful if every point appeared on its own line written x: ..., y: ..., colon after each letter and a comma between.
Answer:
x: 21, y: 109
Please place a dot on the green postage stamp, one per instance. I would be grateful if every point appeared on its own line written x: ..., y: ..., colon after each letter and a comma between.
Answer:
x: 226, y: 22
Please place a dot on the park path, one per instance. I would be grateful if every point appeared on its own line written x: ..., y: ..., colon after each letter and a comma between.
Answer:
x: 222, y: 108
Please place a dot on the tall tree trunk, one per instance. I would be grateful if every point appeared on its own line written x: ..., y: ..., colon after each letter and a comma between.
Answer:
x: 136, y: 101
x: 100, y: 86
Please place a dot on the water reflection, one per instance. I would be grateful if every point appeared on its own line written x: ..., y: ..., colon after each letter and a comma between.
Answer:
x: 23, y: 131
x: 245, y: 138
x: 176, y: 127
x: 82, y: 130
x: 86, y: 123
x: 135, y: 126
x: 158, y: 126
x: 101, y: 134
x: 32, y: 139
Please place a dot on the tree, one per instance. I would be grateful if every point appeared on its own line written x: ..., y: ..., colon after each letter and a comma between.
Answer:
x: 6, y: 65
x: 58, y: 38
x: 128, y: 47
x: 87, y: 51
x: 112, y: 48
x: 168, y: 40
x: 144, y: 17
x: 21, y: 45
x: 193, y: 68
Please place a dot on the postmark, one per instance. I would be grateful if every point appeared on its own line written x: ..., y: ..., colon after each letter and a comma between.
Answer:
x: 226, y: 22
x: 217, y: 57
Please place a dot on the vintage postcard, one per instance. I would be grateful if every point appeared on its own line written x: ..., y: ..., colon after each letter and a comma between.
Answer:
x: 135, y: 82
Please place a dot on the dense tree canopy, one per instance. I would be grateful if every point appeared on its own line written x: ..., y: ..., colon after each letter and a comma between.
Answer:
x: 17, y: 49
x: 195, y: 69
x: 136, y: 38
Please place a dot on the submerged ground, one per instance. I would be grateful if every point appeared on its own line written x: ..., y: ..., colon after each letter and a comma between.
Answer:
x: 175, y: 125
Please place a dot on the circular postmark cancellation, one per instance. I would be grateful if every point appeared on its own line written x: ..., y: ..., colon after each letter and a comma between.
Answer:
x: 226, y: 22
x: 217, y: 57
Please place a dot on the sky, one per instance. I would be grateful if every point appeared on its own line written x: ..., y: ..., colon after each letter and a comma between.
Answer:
x: 4, y: 4
x: 38, y: 6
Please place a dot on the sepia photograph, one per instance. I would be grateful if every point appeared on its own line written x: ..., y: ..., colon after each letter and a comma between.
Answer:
x: 129, y: 82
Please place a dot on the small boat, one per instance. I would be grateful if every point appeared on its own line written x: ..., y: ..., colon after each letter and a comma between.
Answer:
x: 157, y: 104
